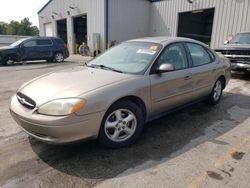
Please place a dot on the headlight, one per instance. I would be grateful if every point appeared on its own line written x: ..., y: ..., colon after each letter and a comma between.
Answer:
x: 61, y: 107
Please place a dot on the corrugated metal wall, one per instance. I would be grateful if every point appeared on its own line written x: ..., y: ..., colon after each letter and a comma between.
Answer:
x: 128, y: 19
x: 95, y: 17
x: 231, y: 16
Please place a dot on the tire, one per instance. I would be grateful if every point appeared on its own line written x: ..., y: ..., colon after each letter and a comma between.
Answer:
x: 122, y: 125
x: 95, y: 53
x: 58, y: 57
x: 216, y: 93
x: 3, y: 59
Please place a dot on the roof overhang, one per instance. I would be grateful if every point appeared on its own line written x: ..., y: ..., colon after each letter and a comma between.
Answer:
x: 44, y: 6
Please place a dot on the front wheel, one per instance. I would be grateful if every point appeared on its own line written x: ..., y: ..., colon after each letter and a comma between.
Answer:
x: 215, y: 95
x: 122, y: 125
x: 58, y: 57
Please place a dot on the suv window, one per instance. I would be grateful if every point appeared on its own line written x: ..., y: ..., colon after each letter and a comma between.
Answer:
x: 44, y: 42
x: 30, y: 43
x: 198, y: 54
x: 175, y: 55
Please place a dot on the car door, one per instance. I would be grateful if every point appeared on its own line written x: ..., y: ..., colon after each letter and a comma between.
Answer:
x: 44, y: 48
x: 171, y: 89
x: 203, y: 69
x: 28, y: 50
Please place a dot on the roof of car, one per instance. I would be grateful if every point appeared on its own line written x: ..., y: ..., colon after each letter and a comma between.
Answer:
x: 164, y: 40
x: 38, y: 37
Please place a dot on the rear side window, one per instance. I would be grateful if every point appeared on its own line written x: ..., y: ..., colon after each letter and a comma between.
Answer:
x: 198, y: 54
x: 44, y: 42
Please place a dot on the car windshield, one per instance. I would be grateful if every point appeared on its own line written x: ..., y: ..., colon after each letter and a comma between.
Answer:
x: 128, y: 57
x: 242, y: 38
x: 17, y: 42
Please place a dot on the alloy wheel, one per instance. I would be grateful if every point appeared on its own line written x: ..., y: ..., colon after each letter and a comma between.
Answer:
x: 120, y: 125
x: 217, y: 90
x: 59, y: 57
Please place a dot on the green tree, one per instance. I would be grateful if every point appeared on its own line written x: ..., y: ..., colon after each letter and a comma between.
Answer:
x: 3, y: 28
x: 19, y: 28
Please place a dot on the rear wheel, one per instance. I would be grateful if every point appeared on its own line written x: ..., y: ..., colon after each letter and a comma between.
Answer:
x: 58, y: 57
x: 121, y: 125
x: 215, y: 95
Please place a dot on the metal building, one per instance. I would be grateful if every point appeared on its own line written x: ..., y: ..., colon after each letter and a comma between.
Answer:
x: 102, y: 21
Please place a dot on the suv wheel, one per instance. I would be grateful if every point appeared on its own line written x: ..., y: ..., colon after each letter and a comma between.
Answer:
x: 10, y: 62
x: 58, y: 57
x: 216, y: 93
x: 121, y: 125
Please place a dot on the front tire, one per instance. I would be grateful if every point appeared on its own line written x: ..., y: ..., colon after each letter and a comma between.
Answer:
x: 58, y: 57
x: 122, y: 125
x: 216, y: 94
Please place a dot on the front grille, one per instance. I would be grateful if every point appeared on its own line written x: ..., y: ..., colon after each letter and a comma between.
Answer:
x: 26, y: 101
x: 236, y: 52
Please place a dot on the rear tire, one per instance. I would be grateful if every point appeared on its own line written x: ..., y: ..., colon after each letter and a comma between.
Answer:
x: 58, y: 57
x: 216, y: 93
x: 122, y: 125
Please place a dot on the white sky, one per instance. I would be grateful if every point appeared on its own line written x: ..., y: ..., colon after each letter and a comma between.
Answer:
x: 19, y: 9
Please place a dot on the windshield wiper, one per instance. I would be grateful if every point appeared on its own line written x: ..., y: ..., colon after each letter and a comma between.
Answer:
x: 104, y: 67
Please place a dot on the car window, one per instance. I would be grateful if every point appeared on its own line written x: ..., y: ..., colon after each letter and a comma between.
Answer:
x: 129, y: 57
x: 198, y: 54
x: 45, y: 42
x: 175, y: 55
x: 212, y: 56
x: 30, y: 43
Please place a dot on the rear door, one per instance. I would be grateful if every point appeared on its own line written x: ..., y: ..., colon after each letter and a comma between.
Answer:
x: 44, y: 48
x: 203, y: 69
x: 171, y: 89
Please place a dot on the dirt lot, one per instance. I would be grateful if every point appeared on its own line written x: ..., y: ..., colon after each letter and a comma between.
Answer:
x: 199, y: 146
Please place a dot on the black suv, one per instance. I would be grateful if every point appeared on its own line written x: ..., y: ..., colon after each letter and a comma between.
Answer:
x: 35, y: 48
x: 238, y: 52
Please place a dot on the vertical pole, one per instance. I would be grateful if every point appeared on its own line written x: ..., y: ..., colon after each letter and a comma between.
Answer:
x: 70, y: 34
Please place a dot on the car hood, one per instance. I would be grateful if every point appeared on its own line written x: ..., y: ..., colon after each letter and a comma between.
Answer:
x: 69, y: 83
x: 6, y: 48
x: 234, y: 47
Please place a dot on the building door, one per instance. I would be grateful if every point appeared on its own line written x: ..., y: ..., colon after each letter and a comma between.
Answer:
x: 196, y: 25
x: 62, y: 30
x: 80, y: 31
x: 48, y: 30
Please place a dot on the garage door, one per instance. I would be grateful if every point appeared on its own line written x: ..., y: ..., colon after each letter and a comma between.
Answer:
x: 197, y: 25
x: 48, y: 29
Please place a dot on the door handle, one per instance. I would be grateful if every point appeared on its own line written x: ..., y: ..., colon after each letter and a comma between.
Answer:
x: 188, y: 77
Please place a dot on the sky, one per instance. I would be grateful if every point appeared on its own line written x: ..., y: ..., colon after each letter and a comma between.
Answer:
x: 19, y: 9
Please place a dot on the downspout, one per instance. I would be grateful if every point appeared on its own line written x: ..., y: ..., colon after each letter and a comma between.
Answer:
x: 106, y: 24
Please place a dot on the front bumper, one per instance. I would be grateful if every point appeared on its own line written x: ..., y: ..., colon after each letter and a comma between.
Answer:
x: 56, y: 130
x: 240, y: 66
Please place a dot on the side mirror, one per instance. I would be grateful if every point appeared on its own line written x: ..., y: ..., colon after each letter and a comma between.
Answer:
x: 166, y: 67
x: 226, y: 42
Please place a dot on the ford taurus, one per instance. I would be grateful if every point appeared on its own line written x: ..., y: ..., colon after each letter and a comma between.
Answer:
x: 114, y: 95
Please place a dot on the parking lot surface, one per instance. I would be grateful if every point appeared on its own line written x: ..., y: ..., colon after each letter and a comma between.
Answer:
x: 199, y: 146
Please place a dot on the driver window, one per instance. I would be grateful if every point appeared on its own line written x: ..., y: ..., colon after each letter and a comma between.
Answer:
x: 175, y: 55
x: 30, y: 43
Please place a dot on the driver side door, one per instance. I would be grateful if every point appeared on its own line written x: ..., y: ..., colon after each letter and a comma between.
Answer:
x: 171, y: 89
x: 29, y: 50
